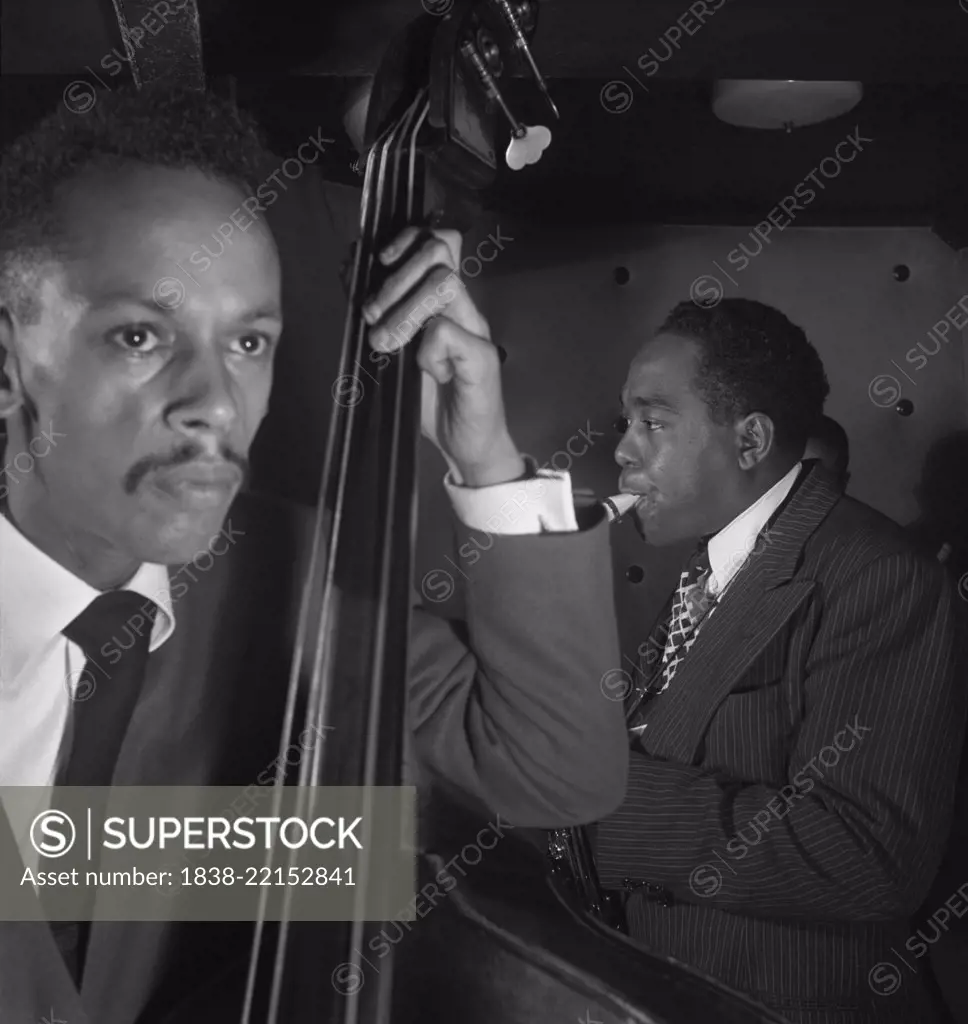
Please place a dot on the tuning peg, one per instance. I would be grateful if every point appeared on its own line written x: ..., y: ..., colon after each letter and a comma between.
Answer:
x: 527, y: 147
x: 527, y: 143
x: 522, y: 44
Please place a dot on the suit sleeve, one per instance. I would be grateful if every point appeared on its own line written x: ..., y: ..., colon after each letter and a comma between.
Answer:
x: 514, y: 706
x: 859, y: 830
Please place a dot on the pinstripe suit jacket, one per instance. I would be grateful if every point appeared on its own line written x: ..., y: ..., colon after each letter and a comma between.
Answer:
x: 791, y: 795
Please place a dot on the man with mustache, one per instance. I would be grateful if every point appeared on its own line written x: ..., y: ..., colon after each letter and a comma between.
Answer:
x: 126, y: 547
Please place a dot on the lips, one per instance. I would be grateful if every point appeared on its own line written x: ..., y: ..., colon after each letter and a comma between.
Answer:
x: 199, y: 483
x: 626, y: 488
x: 646, y: 503
x: 204, y: 474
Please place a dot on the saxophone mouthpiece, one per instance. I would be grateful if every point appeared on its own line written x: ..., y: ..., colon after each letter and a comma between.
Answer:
x: 618, y: 505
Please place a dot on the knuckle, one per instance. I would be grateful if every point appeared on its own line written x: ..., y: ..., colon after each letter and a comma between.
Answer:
x: 440, y: 252
x: 441, y: 333
x: 438, y: 329
x: 453, y: 239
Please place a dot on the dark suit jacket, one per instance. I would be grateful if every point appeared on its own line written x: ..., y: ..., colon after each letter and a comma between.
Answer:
x: 791, y: 795
x: 516, y: 720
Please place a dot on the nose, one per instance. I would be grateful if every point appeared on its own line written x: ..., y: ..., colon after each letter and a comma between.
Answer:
x: 625, y: 453
x: 206, y: 402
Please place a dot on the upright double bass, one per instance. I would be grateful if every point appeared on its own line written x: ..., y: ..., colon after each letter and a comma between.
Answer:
x: 505, y: 944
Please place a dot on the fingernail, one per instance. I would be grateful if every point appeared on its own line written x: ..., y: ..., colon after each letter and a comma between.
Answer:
x: 369, y: 314
x: 388, y: 255
x: 389, y: 343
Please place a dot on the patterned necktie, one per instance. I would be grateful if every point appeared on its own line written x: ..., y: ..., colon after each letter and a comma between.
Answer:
x: 689, y: 608
x: 114, y: 632
x: 675, y: 635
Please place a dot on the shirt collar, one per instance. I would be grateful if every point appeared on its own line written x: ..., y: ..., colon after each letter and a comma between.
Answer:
x: 730, y: 548
x: 39, y: 598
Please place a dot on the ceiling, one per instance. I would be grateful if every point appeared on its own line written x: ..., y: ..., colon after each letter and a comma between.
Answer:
x: 664, y: 159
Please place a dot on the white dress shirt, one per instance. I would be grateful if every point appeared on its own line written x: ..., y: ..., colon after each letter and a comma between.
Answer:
x: 39, y: 666
x: 731, y: 547
x: 543, y: 504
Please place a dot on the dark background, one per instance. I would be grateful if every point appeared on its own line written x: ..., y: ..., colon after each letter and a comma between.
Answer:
x: 667, y: 157
x: 657, y: 192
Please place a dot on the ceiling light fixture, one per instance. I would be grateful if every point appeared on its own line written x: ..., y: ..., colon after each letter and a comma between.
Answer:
x: 758, y: 103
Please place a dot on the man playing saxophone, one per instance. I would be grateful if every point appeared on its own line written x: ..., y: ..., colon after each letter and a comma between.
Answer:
x: 795, y: 726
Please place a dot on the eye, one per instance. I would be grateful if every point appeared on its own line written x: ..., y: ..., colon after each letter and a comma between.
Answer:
x: 253, y: 344
x: 622, y: 423
x: 136, y: 339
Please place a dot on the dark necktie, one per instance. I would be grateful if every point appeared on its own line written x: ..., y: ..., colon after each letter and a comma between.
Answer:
x: 114, y: 632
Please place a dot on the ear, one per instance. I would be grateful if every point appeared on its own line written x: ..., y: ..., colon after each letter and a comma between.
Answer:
x: 11, y: 389
x: 755, y: 439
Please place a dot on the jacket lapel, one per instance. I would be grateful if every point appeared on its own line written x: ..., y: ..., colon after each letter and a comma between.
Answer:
x: 759, y: 601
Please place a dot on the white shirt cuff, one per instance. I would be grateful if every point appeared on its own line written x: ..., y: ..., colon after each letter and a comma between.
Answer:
x: 543, y: 504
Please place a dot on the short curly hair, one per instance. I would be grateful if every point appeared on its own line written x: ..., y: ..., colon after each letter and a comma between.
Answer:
x: 163, y: 124
x: 754, y: 360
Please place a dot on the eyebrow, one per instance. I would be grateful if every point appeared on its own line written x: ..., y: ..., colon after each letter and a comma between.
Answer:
x: 638, y: 402
x: 266, y: 313
x: 271, y: 312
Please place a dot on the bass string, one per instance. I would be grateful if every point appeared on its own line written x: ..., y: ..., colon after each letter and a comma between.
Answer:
x: 402, y: 190
x: 400, y: 369
x: 317, y: 580
x: 405, y: 394
x: 396, y: 370
x: 386, y: 204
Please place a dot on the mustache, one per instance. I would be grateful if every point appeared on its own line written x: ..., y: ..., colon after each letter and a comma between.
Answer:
x: 182, y: 456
